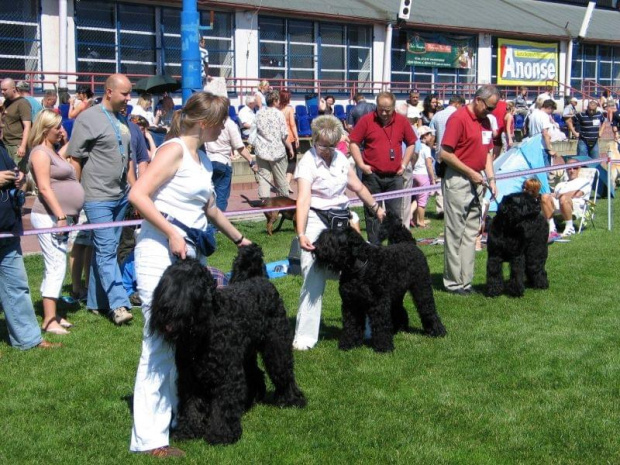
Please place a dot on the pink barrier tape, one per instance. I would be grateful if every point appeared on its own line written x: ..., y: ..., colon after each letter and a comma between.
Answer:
x: 254, y: 211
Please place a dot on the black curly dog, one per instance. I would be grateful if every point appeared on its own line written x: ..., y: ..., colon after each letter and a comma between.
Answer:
x: 217, y: 335
x: 518, y: 235
x: 374, y: 281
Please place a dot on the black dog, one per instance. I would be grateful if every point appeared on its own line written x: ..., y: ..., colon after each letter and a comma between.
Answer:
x: 518, y: 235
x: 373, y: 283
x: 217, y: 335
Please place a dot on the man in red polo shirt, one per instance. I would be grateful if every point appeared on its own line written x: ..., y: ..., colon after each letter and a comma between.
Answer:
x: 382, y: 163
x: 466, y: 149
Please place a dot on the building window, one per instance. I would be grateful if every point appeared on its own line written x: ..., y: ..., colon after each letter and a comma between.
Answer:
x: 129, y: 38
x: 456, y: 73
x: 595, y: 64
x: 220, y: 43
x: 20, y: 35
x: 295, y: 53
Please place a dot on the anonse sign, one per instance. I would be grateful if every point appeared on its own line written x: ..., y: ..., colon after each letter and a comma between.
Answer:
x: 526, y: 63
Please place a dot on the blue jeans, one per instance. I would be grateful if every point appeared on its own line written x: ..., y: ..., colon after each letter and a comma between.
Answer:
x: 24, y: 331
x: 222, y: 177
x: 105, y: 288
x: 584, y: 150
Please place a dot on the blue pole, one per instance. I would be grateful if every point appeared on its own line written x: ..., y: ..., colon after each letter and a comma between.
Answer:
x: 190, y: 55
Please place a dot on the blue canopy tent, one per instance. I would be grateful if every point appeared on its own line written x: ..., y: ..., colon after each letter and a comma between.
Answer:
x: 527, y: 155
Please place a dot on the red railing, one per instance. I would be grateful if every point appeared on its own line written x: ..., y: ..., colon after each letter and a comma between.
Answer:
x: 246, y: 86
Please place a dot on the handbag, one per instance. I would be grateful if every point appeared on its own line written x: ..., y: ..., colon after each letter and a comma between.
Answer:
x: 335, y: 219
x: 203, y: 241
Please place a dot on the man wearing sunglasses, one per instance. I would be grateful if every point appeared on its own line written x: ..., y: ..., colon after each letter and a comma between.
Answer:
x: 466, y: 149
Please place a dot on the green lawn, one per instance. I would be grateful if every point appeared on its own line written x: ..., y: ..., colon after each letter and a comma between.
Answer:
x: 532, y: 380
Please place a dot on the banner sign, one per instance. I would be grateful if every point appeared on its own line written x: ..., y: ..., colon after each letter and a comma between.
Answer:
x: 526, y: 63
x: 442, y: 52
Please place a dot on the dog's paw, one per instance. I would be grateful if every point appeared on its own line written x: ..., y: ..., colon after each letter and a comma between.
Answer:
x: 515, y: 290
x: 493, y: 291
x: 437, y: 330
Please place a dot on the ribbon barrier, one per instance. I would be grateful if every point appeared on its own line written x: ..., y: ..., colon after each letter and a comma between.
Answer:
x: 378, y: 197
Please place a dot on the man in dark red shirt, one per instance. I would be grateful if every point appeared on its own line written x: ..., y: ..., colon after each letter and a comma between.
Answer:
x: 382, y: 163
x: 466, y: 149
x: 500, y: 115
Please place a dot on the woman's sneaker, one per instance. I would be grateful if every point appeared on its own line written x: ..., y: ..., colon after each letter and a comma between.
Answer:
x: 568, y: 231
x: 121, y: 315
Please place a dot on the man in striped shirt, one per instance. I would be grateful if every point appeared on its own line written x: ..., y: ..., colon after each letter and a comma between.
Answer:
x: 590, y: 123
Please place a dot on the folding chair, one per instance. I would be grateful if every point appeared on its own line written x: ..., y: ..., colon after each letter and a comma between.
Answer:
x: 583, y: 209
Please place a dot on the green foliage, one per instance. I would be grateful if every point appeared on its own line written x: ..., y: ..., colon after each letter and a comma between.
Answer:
x: 531, y: 380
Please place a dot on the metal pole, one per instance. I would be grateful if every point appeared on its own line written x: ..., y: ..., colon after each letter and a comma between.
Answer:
x: 190, y: 55
x: 62, y: 26
x: 387, y: 58
x: 609, y: 190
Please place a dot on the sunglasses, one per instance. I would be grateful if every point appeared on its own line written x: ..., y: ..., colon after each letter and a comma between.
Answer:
x: 324, y: 148
x: 486, y: 106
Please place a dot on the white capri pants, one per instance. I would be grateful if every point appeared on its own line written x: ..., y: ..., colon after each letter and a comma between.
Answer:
x: 155, y: 392
x: 311, y: 298
x: 54, y: 250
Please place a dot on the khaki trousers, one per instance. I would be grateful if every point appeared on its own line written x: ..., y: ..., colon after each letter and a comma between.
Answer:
x: 462, y: 221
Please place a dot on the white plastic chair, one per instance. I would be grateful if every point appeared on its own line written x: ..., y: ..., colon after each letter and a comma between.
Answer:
x: 583, y: 208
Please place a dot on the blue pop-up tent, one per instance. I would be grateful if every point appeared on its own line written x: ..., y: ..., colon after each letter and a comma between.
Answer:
x: 527, y: 155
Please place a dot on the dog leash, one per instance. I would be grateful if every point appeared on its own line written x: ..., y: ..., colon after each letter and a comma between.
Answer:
x: 269, y: 182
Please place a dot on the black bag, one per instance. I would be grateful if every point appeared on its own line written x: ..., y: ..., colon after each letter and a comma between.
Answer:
x: 440, y: 169
x: 203, y: 241
x: 335, y: 218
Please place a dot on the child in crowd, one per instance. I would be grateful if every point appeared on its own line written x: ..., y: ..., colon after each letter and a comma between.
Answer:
x: 423, y: 175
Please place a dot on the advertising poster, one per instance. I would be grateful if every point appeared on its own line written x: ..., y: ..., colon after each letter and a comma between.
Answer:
x: 522, y: 62
x: 441, y: 52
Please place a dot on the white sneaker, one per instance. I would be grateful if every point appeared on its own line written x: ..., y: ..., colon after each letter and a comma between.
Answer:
x: 568, y: 231
x: 121, y: 315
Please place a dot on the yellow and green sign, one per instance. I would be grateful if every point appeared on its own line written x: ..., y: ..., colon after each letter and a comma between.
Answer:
x: 522, y: 62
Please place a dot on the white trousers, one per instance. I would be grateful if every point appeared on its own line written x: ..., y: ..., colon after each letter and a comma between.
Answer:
x: 311, y: 298
x: 155, y: 392
x: 54, y: 250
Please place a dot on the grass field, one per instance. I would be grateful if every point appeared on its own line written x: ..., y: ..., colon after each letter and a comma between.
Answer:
x: 532, y: 380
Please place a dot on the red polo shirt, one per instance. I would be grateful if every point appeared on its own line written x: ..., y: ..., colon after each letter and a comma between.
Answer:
x: 470, y: 138
x: 378, y: 140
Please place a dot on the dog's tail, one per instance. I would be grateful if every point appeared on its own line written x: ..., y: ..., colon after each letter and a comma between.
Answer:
x: 253, y: 203
x: 393, y: 230
x: 248, y: 264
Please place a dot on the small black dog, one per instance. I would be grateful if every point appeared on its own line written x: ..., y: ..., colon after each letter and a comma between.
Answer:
x: 518, y: 235
x: 217, y: 335
x: 374, y: 281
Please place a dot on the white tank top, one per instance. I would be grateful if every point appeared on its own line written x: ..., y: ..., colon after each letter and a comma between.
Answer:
x: 185, y: 195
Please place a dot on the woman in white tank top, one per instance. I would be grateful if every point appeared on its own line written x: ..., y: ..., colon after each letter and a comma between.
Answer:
x: 177, y: 182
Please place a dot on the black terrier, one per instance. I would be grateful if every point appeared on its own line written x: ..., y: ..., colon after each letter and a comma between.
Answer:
x: 518, y: 235
x: 217, y: 335
x: 374, y: 281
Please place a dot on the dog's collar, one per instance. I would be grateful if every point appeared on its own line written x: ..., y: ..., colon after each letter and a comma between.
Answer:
x: 358, y: 266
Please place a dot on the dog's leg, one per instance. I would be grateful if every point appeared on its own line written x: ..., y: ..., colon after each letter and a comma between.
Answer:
x: 192, y: 408
x: 279, y: 224
x: 277, y: 355
x: 422, y: 293
x: 400, y: 317
x: 270, y: 221
x: 495, y: 276
x: 515, y: 287
x: 353, y: 325
x: 382, y: 337
x: 255, y: 379
x: 535, y: 261
x: 227, y: 407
